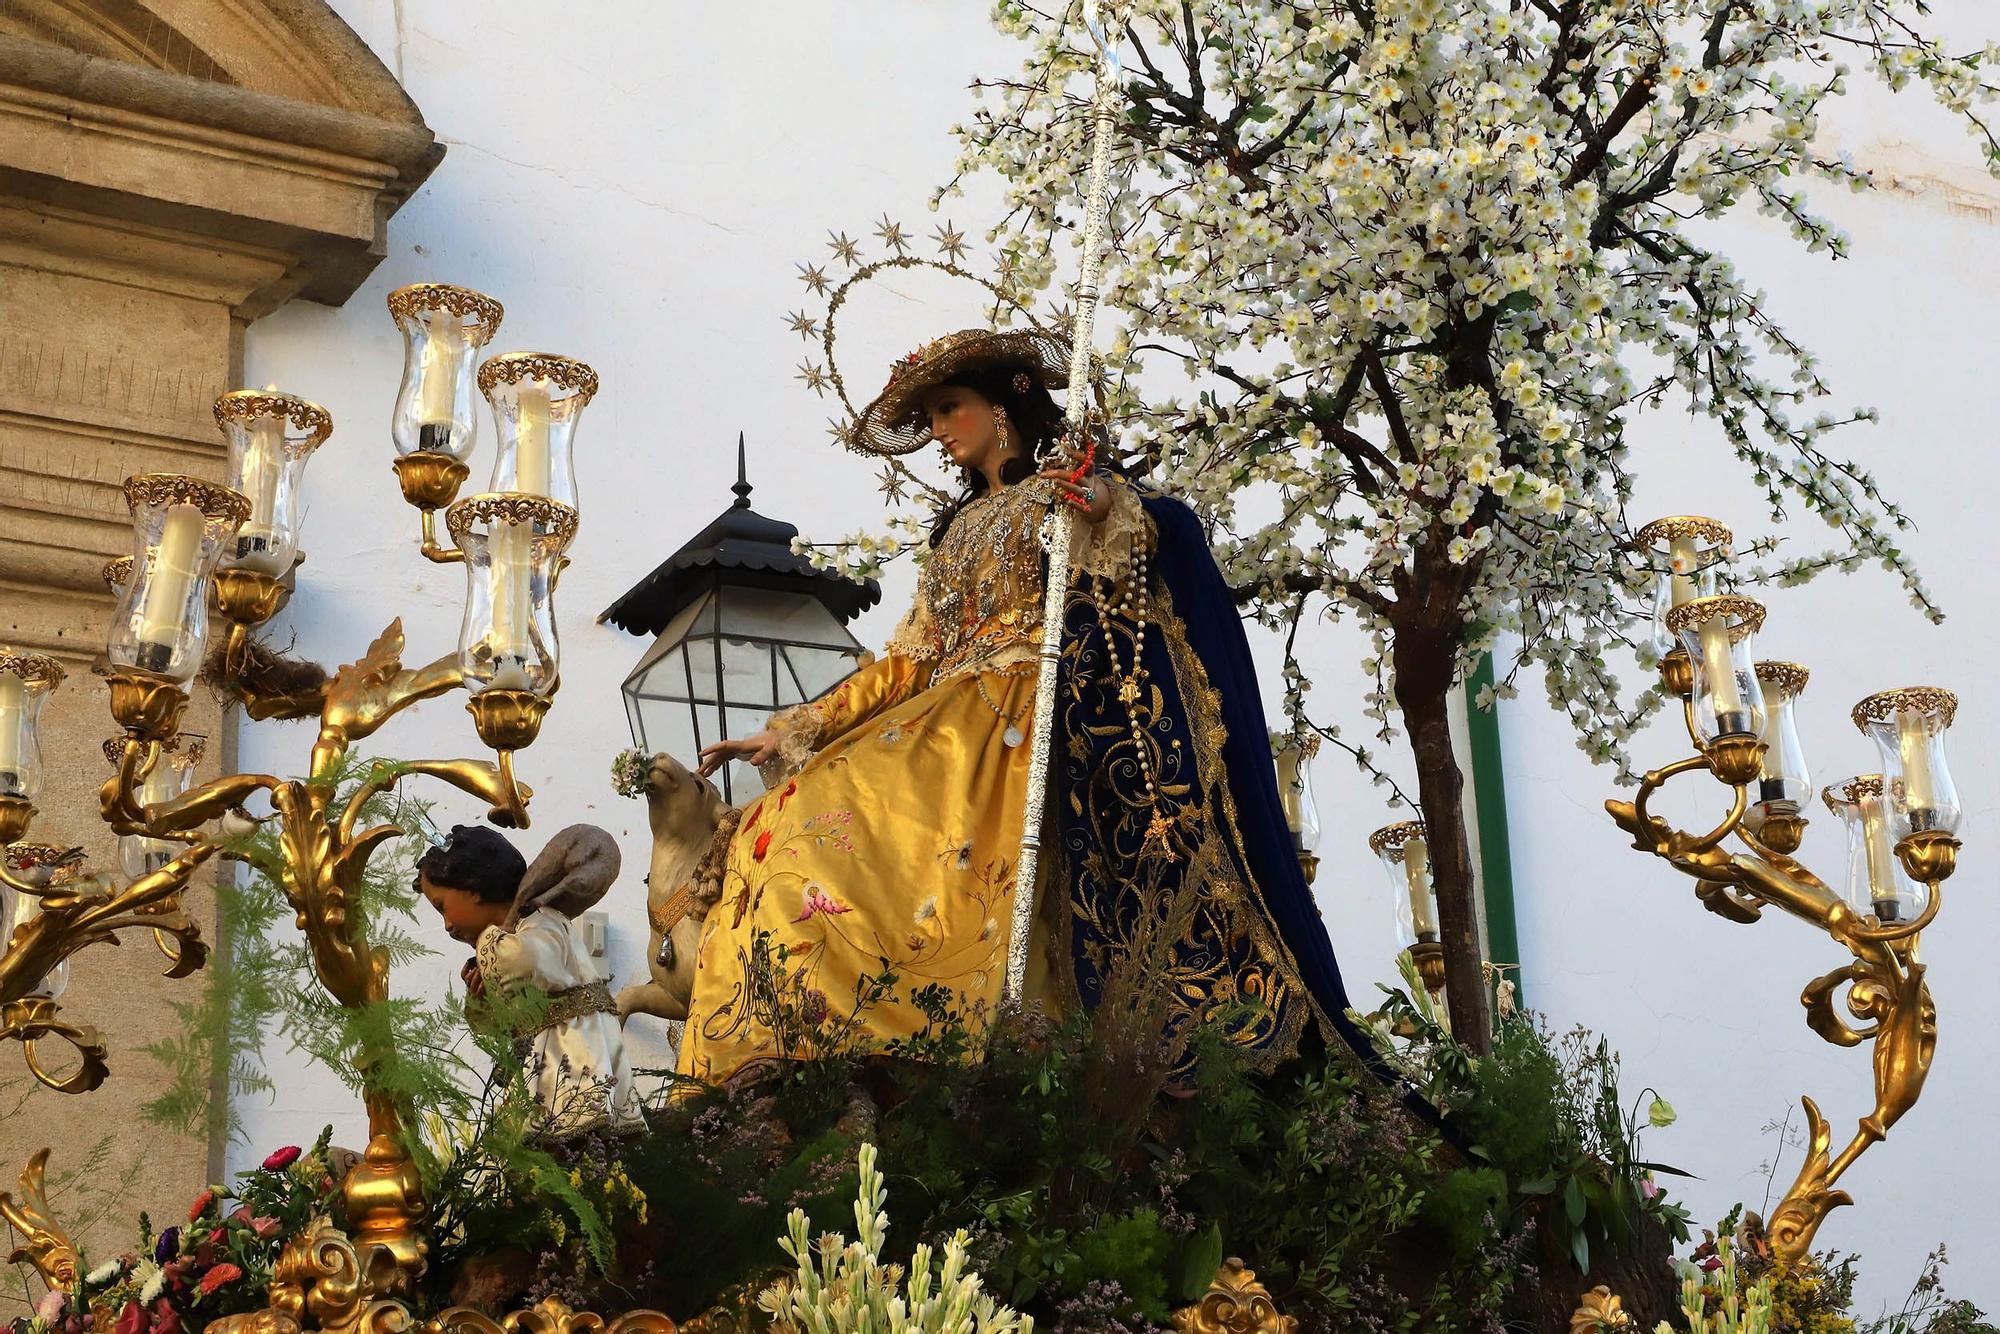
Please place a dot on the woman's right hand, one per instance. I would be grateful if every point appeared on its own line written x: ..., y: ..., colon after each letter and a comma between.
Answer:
x: 756, y: 748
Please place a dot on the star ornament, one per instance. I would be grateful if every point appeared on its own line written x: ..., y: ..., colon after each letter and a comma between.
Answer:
x: 950, y: 242
x: 815, y: 278
x: 844, y: 247
x: 814, y: 378
x: 893, y: 235
x: 803, y: 325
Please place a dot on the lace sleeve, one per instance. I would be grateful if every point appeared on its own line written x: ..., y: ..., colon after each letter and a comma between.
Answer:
x: 1107, y: 549
x: 804, y: 729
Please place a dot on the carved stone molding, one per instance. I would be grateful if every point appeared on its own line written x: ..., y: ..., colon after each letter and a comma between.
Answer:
x: 170, y: 171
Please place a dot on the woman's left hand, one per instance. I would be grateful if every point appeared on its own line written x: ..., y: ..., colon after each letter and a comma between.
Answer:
x: 1091, y: 497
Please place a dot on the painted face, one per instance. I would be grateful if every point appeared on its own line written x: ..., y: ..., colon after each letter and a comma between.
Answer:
x: 963, y: 422
x: 466, y: 915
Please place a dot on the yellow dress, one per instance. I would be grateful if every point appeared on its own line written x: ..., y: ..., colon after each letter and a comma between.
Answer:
x: 872, y: 886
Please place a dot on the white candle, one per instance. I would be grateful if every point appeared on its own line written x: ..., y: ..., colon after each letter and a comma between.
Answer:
x: 13, y: 722
x: 1913, y: 747
x: 531, y: 438
x: 1724, y: 691
x: 263, y: 465
x: 510, y: 547
x: 1682, y: 562
x: 444, y: 347
x: 174, y: 565
x: 1417, y: 867
x: 1880, y: 852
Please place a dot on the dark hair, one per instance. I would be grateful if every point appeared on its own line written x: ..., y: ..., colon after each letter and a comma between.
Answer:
x: 1033, y: 413
x: 477, y: 860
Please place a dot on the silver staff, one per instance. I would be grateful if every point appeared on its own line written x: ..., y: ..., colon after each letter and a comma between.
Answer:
x: 1056, y: 533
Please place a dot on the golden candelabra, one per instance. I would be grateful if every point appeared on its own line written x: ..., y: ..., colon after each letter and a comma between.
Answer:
x: 1900, y: 828
x: 198, y: 544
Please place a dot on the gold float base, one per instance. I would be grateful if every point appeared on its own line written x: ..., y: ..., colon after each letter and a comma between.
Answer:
x: 385, y: 1207
x: 147, y: 707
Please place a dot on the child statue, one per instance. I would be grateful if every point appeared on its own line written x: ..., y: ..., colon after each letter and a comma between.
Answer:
x: 520, y: 920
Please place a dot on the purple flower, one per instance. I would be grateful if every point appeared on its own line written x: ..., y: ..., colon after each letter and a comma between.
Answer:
x: 168, y: 1245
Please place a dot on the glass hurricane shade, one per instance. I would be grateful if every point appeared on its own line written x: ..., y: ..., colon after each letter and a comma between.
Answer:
x: 537, y: 399
x: 1295, y: 794
x: 1404, y: 853
x: 138, y: 855
x: 31, y: 863
x: 26, y: 681
x: 1876, y: 880
x: 270, y: 437
x: 443, y: 329
x: 1908, y: 728
x: 181, y: 527
x: 1685, y: 552
x: 725, y: 663
x: 1720, y: 636
x: 1784, y: 785
x: 513, y: 549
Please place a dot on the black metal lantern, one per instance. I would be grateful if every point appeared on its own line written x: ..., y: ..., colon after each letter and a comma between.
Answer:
x: 743, y: 626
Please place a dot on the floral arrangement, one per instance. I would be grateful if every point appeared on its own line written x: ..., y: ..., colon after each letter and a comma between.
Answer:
x: 850, y: 1289
x: 215, y: 1263
x: 628, y: 772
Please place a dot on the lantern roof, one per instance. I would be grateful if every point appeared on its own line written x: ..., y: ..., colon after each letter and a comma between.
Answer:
x: 744, y: 548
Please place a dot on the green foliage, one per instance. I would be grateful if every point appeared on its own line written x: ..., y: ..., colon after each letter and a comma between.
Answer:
x: 1549, y: 1131
x: 261, y: 981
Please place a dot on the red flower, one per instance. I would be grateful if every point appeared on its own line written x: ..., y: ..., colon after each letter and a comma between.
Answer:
x: 131, y: 1320
x: 200, y: 1205
x: 790, y: 788
x: 166, y: 1320
x: 216, y: 1277
x: 750, y: 820
x: 762, y: 845
x: 282, y: 1159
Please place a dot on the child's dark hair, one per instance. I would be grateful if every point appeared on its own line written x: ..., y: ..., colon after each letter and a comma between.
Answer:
x: 1033, y: 413
x: 477, y: 860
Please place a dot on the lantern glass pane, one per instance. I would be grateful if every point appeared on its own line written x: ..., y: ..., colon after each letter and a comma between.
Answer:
x: 747, y: 673
x: 794, y: 618
x: 818, y: 670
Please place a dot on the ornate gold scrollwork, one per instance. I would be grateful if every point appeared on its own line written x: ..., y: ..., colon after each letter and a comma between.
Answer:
x: 45, y: 1243
x: 76, y: 911
x: 548, y: 1316
x: 1885, y: 988
x: 1235, y: 1303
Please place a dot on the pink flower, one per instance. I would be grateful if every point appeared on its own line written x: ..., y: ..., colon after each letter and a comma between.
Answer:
x: 282, y: 1159
x: 216, y: 1277
x: 200, y: 1205
x: 264, y: 1228
x: 131, y: 1320
x: 818, y: 902
x: 50, y: 1307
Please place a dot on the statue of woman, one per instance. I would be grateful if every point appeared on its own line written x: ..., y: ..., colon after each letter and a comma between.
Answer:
x: 871, y: 889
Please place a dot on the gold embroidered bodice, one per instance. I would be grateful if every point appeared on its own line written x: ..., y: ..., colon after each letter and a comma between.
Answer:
x: 979, y: 599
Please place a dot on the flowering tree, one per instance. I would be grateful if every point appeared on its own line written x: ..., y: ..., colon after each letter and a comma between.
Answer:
x: 1421, y: 262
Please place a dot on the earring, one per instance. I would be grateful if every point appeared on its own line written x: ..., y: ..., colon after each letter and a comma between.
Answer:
x: 1000, y: 425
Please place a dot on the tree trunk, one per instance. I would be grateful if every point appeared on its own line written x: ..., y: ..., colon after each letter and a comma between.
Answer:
x: 1423, y: 686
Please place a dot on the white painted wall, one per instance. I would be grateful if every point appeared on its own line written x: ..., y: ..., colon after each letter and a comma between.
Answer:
x: 637, y: 190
